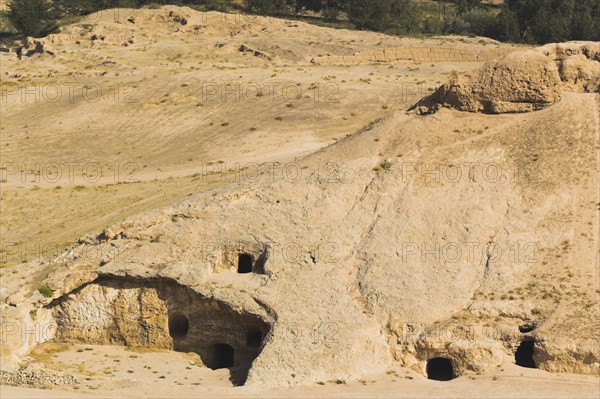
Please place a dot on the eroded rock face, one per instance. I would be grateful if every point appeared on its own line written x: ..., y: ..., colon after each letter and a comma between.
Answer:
x: 521, y: 81
x: 104, y: 314
x: 578, y: 64
x: 160, y: 314
x: 470, y: 233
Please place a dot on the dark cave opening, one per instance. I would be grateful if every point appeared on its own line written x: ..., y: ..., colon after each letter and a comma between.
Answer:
x: 219, y: 356
x: 244, y: 264
x: 179, y: 325
x: 440, y: 369
x: 524, y: 354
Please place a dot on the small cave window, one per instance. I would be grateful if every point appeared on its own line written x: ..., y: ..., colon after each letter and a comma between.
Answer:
x: 220, y: 356
x: 178, y: 325
x: 254, y: 339
x: 524, y: 354
x: 440, y: 369
x: 244, y: 263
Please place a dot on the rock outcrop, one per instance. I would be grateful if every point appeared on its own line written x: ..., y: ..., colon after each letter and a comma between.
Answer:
x: 578, y: 64
x: 522, y: 81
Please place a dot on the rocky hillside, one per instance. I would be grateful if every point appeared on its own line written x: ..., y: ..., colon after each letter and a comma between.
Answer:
x: 453, y: 235
x: 522, y: 81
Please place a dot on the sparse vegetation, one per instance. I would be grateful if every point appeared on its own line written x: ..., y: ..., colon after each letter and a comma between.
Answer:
x: 156, y: 238
x: 46, y: 291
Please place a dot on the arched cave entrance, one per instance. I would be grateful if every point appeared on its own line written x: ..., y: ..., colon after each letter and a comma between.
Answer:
x: 244, y: 264
x: 179, y: 325
x: 162, y: 314
x: 219, y: 356
x: 524, y: 354
x: 440, y: 369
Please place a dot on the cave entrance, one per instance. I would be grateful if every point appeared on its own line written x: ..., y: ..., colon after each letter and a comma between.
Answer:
x: 219, y: 356
x: 524, y: 354
x: 163, y: 314
x: 244, y: 263
x: 178, y: 325
x: 440, y: 369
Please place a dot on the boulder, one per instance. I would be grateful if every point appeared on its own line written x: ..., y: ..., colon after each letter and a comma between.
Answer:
x: 522, y: 81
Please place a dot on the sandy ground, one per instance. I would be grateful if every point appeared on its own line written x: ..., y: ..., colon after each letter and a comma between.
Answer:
x: 173, y: 106
x: 119, y: 372
x: 166, y: 170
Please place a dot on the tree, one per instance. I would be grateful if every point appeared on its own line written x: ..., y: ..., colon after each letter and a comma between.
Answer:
x: 466, y: 5
x: 332, y: 8
x: 311, y: 5
x: 382, y: 15
x: 84, y: 7
x: 507, y: 28
x: 585, y: 23
x: 525, y: 11
x: 548, y: 26
x: 32, y: 17
x: 270, y: 7
x: 544, y: 21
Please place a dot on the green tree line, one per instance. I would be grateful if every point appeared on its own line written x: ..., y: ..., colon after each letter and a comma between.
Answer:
x: 528, y: 21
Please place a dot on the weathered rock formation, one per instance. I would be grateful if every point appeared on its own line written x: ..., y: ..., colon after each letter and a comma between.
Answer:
x: 522, y: 81
x: 162, y: 314
x: 578, y: 64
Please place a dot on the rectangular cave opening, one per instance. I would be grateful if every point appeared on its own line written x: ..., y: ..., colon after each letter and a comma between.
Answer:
x: 245, y: 263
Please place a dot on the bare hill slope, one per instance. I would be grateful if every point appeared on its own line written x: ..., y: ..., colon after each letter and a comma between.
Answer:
x: 459, y: 236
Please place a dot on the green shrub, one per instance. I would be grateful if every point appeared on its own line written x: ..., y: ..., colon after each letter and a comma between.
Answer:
x: 386, y: 165
x: 46, y: 291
